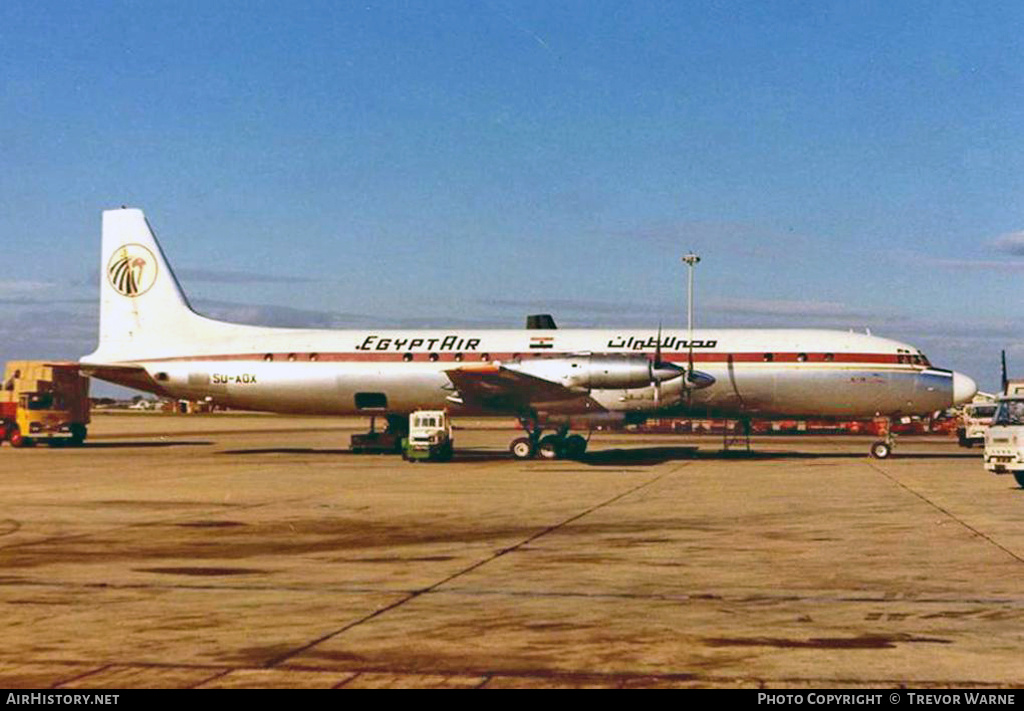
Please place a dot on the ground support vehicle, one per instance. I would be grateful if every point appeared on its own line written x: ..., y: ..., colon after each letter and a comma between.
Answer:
x: 43, y: 402
x: 387, y: 442
x: 430, y: 437
x: 974, y: 420
x: 1004, y: 439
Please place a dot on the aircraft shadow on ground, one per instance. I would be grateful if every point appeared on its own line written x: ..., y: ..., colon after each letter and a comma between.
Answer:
x: 658, y: 455
x: 294, y: 450
x: 144, y: 444
x: 634, y: 456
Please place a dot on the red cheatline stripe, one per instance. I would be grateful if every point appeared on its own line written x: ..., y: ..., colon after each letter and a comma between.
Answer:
x: 477, y: 356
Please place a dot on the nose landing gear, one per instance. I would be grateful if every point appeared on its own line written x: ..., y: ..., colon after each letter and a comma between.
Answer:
x: 882, y: 448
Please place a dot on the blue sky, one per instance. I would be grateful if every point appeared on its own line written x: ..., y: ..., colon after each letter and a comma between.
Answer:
x: 843, y: 165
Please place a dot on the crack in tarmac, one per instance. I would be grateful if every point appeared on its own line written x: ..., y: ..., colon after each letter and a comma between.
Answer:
x: 945, y: 512
x: 275, y: 661
x: 760, y: 598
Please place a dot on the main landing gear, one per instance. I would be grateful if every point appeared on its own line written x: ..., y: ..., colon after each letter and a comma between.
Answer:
x: 560, y: 445
x: 882, y: 448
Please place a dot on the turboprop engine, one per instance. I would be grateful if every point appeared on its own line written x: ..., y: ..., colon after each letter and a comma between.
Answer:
x: 601, y: 372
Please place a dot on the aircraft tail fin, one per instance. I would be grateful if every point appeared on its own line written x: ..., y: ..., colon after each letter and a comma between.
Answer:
x: 143, y: 310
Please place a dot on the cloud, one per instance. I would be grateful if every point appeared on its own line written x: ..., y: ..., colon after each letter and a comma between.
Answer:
x: 23, y: 287
x: 35, y: 301
x: 278, y: 316
x: 776, y: 307
x: 729, y: 312
x: 577, y: 306
x: 1010, y: 243
x: 288, y: 317
x: 46, y: 334
x: 734, y: 238
x: 216, y: 276
x: 972, y: 264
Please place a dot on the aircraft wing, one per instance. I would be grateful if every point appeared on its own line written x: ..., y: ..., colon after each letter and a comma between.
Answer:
x: 498, y: 387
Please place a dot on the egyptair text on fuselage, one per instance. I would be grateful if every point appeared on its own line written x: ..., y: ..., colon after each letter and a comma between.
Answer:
x: 445, y: 343
x: 668, y: 343
x: 454, y: 342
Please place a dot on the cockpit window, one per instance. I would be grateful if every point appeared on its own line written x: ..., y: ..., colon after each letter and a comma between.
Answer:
x: 1009, y: 412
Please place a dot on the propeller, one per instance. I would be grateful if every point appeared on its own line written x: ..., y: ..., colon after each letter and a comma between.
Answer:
x: 689, y: 371
x: 655, y: 367
x: 661, y: 370
x: 1005, y: 380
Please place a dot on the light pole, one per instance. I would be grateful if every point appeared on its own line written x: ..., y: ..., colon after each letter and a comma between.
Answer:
x: 691, y: 260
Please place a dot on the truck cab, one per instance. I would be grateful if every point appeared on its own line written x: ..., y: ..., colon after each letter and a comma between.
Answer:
x: 430, y: 436
x: 1004, y: 439
x: 43, y: 402
x: 974, y: 420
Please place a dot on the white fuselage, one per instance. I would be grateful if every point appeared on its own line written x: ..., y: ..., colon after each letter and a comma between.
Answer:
x: 761, y: 373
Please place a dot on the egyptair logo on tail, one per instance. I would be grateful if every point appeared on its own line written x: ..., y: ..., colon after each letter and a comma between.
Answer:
x: 132, y: 270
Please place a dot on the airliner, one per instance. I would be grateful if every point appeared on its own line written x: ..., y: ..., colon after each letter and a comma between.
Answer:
x: 151, y: 339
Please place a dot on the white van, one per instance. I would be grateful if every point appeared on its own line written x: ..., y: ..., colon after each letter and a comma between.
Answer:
x: 1004, y: 439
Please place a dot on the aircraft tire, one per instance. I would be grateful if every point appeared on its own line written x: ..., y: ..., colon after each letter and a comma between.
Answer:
x: 550, y: 447
x: 445, y: 455
x: 881, y: 449
x: 78, y: 434
x: 575, y: 446
x: 1019, y: 476
x: 522, y: 448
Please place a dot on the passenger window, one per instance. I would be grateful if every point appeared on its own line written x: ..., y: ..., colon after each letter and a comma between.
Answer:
x: 769, y: 357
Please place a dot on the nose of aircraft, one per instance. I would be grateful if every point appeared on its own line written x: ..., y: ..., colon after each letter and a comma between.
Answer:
x: 964, y: 388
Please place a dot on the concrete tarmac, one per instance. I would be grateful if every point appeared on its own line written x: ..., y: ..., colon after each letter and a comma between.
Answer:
x: 228, y: 551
